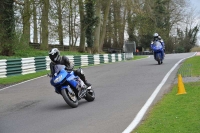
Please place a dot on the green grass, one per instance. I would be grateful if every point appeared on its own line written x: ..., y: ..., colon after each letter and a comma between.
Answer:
x: 191, y: 67
x: 136, y: 57
x: 20, y: 78
x: 176, y: 113
x: 35, y: 53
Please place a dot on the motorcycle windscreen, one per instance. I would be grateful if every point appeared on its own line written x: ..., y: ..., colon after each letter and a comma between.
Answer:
x: 157, y: 46
x: 59, y: 67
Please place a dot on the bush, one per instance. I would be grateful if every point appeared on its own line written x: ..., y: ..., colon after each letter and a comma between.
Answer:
x: 180, y: 50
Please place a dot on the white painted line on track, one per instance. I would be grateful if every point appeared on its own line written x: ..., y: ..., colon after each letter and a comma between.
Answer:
x: 143, y: 110
x: 21, y: 83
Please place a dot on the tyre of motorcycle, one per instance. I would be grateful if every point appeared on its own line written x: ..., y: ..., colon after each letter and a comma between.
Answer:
x: 70, y: 97
x: 158, y: 57
x: 90, y: 95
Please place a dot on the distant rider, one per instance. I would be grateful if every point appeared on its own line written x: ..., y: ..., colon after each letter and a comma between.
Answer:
x: 162, y: 42
x: 57, y: 60
x: 157, y: 38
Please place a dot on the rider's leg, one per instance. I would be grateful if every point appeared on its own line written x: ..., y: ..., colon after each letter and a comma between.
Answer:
x: 163, y: 54
x: 82, y: 77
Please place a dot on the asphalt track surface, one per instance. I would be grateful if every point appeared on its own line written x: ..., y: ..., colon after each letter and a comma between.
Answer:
x: 121, y: 89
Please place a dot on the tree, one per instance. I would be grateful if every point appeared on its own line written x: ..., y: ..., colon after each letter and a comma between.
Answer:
x: 99, y: 23
x: 97, y: 28
x: 26, y: 22
x: 60, y: 26
x: 100, y: 29
x: 82, y: 26
x: 25, y: 15
x: 90, y: 21
x: 7, y: 27
x: 187, y: 39
x: 115, y: 25
x: 106, y: 4
x: 44, y: 24
x: 35, y: 25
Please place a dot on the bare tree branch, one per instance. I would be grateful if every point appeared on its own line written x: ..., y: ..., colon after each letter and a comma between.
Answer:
x: 19, y: 3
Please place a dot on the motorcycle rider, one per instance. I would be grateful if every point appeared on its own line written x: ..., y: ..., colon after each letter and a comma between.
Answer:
x: 57, y: 59
x: 157, y: 38
x: 162, y: 42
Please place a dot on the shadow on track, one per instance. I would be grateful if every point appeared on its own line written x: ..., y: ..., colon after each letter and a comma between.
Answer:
x: 65, y: 106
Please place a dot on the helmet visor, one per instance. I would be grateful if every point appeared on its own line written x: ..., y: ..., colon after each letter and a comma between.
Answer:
x: 53, y: 57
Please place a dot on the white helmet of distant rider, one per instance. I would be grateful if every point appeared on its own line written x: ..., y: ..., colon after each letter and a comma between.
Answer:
x: 155, y: 36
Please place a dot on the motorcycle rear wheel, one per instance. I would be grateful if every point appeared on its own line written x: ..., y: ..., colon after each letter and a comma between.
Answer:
x: 159, y: 62
x: 69, y: 98
x: 90, y: 95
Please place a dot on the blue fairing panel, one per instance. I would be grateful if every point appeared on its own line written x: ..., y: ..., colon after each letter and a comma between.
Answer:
x: 71, y: 78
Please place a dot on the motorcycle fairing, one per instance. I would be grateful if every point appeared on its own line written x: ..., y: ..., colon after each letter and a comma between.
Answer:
x: 71, y: 78
x: 158, y: 55
x: 157, y: 46
x: 62, y: 74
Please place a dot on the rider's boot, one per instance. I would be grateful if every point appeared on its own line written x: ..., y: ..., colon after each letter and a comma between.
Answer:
x: 82, y: 76
x: 87, y: 84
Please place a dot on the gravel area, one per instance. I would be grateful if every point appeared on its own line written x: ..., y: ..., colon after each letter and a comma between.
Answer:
x: 188, y: 79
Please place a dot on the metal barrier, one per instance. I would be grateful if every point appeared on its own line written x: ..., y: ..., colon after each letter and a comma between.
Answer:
x: 33, y: 64
x: 129, y: 47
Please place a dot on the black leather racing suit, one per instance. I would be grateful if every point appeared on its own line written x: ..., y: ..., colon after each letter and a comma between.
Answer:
x: 63, y: 60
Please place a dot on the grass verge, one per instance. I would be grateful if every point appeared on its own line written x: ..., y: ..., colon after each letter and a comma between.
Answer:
x: 137, y: 57
x: 176, y: 113
x: 21, y: 78
x: 36, y: 53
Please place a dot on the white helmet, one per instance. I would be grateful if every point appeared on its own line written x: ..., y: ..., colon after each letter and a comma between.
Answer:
x: 54, y: 53
x: 155, y: 35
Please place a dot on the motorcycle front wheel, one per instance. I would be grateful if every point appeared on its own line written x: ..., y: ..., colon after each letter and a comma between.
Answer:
x: 70, y: 98
x: 158, y: 59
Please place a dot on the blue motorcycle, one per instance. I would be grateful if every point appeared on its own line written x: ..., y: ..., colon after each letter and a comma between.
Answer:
x: 69, y: 86
x: 158, y: 52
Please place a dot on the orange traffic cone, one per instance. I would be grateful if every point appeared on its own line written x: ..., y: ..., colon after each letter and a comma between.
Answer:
x: 181, y: 88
